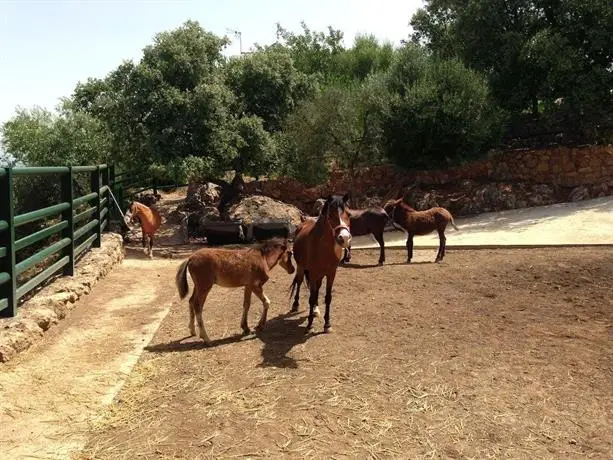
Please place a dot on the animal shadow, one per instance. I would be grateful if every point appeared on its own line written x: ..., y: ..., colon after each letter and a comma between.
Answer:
x: 197, y: 344
x: 280, y: 335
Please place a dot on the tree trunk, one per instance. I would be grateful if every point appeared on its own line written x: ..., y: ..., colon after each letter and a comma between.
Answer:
x: 535, y: 106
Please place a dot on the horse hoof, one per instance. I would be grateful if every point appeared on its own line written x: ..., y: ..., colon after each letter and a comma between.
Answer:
x: 246, y: 331
x: 327, y: 329
x: 308, y: 330
x: 379, y: 264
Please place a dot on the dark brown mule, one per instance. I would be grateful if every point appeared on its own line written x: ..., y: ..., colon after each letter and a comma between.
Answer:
x: 150, y: 221
x: 318, y: 248
x: 420, y: 223
x: 248, y: 268
x: 369, y: 221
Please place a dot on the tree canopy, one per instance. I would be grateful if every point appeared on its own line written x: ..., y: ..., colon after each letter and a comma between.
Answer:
x: 309, y: 101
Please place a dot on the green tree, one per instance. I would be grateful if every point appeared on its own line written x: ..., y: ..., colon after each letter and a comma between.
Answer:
x: 365, y: 57
x: 267, y: 85
x: 440, y: 112
x: 38, y: 137
x: 172, y: 105
x: 313, y: 53
x: 530, y: 50
x: 341, y: 125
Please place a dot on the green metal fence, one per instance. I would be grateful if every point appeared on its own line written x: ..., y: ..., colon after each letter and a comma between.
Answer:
x: 81, y: 222
x: 128, y: 184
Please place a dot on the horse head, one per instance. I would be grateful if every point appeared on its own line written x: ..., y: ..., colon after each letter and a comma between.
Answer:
x: 335, y: 212
x: 132, y: 213
x: 278, y: 249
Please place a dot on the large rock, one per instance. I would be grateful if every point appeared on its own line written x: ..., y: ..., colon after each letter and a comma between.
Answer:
x: 257, y: 208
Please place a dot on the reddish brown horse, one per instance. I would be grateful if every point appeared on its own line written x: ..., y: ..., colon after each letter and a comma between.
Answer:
x: 248, y: 268
x: 149, y: 219
x: 318, y: 249
x: 420, y: 223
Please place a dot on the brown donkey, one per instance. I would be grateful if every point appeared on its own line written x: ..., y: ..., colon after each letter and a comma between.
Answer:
x: 318, y: 249
x: 420, y: 223
x: 248, y: 268
x: 370, y: 221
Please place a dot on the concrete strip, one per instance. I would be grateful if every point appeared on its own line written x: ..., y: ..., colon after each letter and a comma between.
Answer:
x: 586, y: 222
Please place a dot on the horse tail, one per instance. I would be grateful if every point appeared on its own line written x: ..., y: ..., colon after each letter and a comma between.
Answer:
x: 181, y: 279
x: 452, y: 222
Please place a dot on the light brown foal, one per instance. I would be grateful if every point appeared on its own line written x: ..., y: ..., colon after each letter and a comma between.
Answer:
x: 233, y: 268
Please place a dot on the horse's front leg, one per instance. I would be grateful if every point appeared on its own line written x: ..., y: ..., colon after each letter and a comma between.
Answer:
x: 151, y: 246
x: 347, y: 255
x: 409, y: 247
x: 246, y: 305
x: 315, y: 285
x: 265, y: 305
x: 328, y: 300
x: 144, y: 241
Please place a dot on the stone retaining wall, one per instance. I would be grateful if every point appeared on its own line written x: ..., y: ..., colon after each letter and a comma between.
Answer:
x: 54, y: 301
x: 562, y: 169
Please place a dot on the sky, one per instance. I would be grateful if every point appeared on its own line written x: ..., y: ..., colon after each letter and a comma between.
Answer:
x: 47, y: 46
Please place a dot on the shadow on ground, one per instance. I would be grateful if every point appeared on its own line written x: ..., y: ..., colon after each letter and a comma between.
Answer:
x: 279, y: 336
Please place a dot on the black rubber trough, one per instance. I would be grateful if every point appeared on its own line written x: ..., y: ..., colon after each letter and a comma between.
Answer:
x: 261, y: 231
x: 222, y: 233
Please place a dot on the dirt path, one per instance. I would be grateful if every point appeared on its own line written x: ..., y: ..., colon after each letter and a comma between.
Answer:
x: 50, y: 394
x: 584, y: 222
x: 490, y: 354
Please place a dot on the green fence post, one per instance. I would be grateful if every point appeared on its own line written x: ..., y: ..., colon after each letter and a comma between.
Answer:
x: 7, y: 240
x: 68, y: 232
x: 106, y: 179
x: 95, y: 186
x: 112, y: 211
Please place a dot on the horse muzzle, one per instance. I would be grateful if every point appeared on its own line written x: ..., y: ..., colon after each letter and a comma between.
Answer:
x: 343, y: 239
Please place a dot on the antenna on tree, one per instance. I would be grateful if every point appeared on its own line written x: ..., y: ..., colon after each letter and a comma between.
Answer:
x: 239, y: 34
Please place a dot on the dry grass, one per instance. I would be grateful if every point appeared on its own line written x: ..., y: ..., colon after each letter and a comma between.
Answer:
x: 486, y: 356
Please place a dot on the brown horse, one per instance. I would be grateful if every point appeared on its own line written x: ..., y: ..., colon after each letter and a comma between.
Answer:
x: 318, y: 247
x: 369, y: 221
x: 248, y: 268
x: 150, y: 220
x: 420, y: 223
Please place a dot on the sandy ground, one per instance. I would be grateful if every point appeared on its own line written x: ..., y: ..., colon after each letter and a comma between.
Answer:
x: 491, y: 354
x: 49, y: 394
x: 584, y: 222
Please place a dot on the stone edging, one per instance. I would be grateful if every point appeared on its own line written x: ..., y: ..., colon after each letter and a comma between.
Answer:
x: 54, y: 301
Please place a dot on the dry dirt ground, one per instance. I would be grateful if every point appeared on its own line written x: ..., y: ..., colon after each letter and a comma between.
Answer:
x: 491, y: 354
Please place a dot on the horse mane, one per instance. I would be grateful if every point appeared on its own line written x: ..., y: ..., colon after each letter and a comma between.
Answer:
x: 266, y: 246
